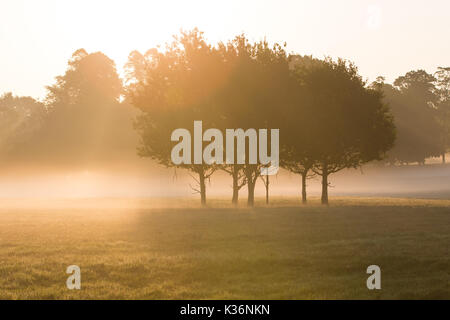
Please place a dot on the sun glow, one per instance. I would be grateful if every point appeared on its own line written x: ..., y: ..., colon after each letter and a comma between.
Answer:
x: 117, y: 27
x: 39, y: 36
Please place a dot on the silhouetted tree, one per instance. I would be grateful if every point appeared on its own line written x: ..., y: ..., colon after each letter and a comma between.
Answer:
x: 173, y: 89
x: 333, y: 120
x: 238, y: 179
x: 299, y: 161
x: 297, y: 145
x: 253, y: 96
x: 348, y: 122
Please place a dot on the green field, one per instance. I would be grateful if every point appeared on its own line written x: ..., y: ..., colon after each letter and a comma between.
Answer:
x: 142, y: 249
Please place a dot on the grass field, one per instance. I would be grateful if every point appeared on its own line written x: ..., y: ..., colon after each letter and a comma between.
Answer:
x: 142, y: 249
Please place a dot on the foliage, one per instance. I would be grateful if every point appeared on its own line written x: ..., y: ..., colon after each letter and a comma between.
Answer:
x: 20, y: 119
x: 337, y: 122
x: 86, y: 120
x: 414, y: 101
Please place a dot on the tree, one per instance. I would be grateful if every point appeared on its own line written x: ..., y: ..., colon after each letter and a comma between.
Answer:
x: 443, y: 106
x: 413, y: 101
x: 238, y: 178
x: 299, y: 161
x: 232, y: 85
x: 348, y: 121
x: 297, y: 147
x: 253, y: 96
x: 173, y: 89
x: 20, y: 119
x: 85, y: 118
x: 89, y: 79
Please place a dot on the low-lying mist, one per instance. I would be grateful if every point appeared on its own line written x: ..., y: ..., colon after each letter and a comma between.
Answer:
x: 143, y: 179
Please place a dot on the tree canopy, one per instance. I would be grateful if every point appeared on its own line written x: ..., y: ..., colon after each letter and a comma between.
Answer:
x: 20, y: 119
x: 85, y: 118
x: 338, y: 121
x: 414, y: 102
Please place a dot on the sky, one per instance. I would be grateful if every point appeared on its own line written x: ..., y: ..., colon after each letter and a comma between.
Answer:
x: 383, y: 38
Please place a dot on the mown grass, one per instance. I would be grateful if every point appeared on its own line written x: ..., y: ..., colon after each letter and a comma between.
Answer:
x: 140, y: 249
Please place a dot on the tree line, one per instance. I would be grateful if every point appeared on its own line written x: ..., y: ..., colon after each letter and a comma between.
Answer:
x: 329, y: 117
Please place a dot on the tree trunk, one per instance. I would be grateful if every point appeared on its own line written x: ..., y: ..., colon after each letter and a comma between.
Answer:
x: 267, y: 189
x: 443, y: 158
x: 202, y: 188
x: 304, y: 175
x: 251, y: 193
x: 235, y: 198
x: 325, y: 185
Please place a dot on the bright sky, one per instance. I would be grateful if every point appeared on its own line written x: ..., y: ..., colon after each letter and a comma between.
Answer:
x: 382, y: 37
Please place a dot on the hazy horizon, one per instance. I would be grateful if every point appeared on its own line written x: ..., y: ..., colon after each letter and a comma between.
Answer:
x: 144, y: 179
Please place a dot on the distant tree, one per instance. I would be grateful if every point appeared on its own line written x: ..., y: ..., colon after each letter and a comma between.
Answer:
x: 348, y: 122
x: 419, y: 84
x: 89, y: 79
x: 86, y: 119
x: 413, y: 101
x: 20, y: 119
x: 443, y: 83
x: 443, y: 106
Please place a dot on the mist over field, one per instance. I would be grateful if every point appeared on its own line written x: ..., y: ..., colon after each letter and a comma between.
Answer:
x: 144, y: 179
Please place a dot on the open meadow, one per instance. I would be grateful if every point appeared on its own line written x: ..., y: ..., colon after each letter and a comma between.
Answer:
x: 173, y: 249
